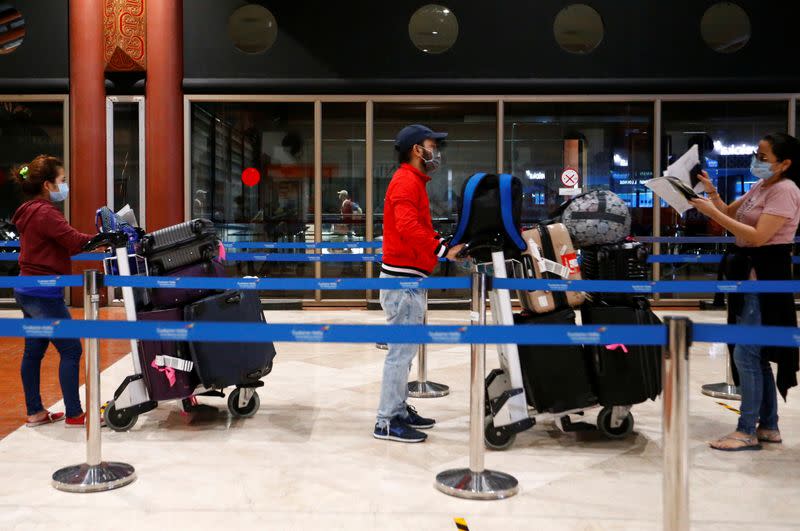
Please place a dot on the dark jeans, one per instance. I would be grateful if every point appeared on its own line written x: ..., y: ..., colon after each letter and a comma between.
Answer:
x: 757, y: 383
x: 69, y: 349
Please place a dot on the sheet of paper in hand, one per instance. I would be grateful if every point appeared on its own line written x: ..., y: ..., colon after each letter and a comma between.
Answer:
x: 674, y: 191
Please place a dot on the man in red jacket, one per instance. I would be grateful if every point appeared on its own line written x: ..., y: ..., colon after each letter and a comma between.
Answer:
x: 411, y: 248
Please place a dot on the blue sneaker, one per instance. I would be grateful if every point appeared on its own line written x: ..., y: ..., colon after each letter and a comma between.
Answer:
x: 417, y: 422
x: 399, y: 431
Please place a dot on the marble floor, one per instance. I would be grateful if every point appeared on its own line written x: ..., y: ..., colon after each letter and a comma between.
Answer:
x: 307, y: 460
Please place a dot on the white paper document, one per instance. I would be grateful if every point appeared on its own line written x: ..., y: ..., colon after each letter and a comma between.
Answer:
x: 672, y: 190
x: 682, y: 168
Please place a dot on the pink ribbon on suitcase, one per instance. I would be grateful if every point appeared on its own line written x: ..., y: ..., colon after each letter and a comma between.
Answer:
x: 617, y: 346
x: 168, y: 371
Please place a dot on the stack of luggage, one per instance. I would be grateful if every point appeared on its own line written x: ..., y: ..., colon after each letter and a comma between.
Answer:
x: 623, y: 375
x: 191, y: 249
x: 618, y: 375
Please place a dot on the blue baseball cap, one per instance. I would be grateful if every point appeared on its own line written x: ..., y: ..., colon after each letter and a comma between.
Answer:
x: 415, y: 134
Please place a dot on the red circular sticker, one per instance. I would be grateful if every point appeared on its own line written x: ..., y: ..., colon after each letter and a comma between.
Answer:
x: 251, y: 176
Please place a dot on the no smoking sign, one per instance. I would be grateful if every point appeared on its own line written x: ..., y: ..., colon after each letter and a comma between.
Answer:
x: 570, y: 178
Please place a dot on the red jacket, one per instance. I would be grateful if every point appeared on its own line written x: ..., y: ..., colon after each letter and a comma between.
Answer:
x: 410, y: 245
x: 47, y: 240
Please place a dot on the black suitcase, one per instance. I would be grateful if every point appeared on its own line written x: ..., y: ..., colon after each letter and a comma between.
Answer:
x: 618, y: 261
x: 191, y: 253
x: 224, y: 364
x: 556, y: 377
x: 624, y: 378
x: 176, y: 236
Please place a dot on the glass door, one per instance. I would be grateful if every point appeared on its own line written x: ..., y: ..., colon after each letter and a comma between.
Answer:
x: 125, y: 160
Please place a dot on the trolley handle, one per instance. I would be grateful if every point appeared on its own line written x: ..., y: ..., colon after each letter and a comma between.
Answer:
x: 492, y: 243
x: 105, y: 240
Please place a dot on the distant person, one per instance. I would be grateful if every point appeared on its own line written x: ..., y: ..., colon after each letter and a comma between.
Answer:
x: 764, y: 222
x: 349, y: 209
x: 411, y: 248
x: 47, y: 245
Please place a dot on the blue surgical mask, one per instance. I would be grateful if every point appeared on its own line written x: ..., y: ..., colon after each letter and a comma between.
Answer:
x: 61, y: 194
x: 761, y: 169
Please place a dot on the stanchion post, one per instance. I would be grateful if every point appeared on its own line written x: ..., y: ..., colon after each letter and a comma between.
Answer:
x: 94, y: 475
x: 475, y: 482
x: 675, y: 422
x: 422, y: 388
x: 726, y: 390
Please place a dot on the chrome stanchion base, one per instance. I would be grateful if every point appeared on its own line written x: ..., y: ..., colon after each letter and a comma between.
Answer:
x: 486, y: 485
x: 419, y: 389
x: 722, y: 390
x: 85, y: 478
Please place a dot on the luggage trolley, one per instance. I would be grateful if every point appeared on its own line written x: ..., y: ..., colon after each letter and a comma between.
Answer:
x: 134, y: 397
x: 508, y: 408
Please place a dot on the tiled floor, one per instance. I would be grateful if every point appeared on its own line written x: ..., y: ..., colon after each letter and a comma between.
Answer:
x: 307, y: 459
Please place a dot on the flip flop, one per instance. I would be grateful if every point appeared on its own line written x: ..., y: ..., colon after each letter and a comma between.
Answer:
x: 747, y: 447
x: 49, y: 419
x: 771, y: 441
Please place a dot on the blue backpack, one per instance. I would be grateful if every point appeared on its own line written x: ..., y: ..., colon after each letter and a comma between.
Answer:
x: 490, y: 207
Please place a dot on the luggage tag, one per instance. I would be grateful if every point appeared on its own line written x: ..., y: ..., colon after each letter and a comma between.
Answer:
x: 173, y: 363
x: 547, y: 265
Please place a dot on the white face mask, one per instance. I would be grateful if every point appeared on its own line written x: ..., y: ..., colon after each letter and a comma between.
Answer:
x: 433, y: 163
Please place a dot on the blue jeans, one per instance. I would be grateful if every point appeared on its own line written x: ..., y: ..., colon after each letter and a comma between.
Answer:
x: 757, y: 384
x: 402, y: 307
x: 69, y: 349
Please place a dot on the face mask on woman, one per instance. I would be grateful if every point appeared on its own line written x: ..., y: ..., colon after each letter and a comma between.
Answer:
x: 761, y: 169
x: 61, y: 194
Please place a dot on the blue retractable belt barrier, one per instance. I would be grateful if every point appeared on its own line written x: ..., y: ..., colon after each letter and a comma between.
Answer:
x: 767, y: 336
x: 316, y: 245
x: 693, y: 259
x: 661, y: 286
x: 66, y: 281
x: 325, y: 284
x: 689, y: 239
x: 321, y: 333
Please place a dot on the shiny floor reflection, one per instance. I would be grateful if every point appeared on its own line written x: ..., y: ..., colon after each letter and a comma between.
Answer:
x: 308, y: 461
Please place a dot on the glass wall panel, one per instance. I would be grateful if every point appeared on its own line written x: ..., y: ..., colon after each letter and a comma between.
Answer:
x: 344, y: 204
x: 27, y: 129
x: 126, y: 168
x: 470, y: 147
x: 253, y: 174
x: 727, y: 134
x: 608, y: 145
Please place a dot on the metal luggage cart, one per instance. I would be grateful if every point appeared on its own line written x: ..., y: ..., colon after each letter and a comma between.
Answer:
x: 507, y: 409
x: 132, y: 398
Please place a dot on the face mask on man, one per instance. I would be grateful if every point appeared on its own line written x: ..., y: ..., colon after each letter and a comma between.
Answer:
x: 761, y: 169
x: 433, y: 163
x: 61, y: 194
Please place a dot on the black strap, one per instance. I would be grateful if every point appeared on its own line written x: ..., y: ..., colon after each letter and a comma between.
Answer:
x: 559, y: 297
x: 606, y: 216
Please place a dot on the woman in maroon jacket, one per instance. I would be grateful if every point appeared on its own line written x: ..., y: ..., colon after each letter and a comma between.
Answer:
x: 47, y: 242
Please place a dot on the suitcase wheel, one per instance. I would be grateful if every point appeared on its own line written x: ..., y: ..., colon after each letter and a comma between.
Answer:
x: 243, y: 412
x: 621, y: 431
x: 496, y: 438
x: 118, y: 420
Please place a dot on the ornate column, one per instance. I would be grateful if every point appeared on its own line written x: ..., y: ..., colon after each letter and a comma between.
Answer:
x: 164, y: 114
x: 87, y: 117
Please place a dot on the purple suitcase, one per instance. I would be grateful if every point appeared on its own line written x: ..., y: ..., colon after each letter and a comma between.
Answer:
x: 163, y: 380
x: 171, y: 298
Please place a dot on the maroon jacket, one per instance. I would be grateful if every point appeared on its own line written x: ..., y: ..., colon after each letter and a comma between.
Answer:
x: 47, y: 241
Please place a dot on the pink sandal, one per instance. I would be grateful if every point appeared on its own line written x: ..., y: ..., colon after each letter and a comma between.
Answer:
x: 50, y: 418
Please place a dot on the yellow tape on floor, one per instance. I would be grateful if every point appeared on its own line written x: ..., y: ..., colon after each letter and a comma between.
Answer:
x: 730, y: 408
x: 461, y: 524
